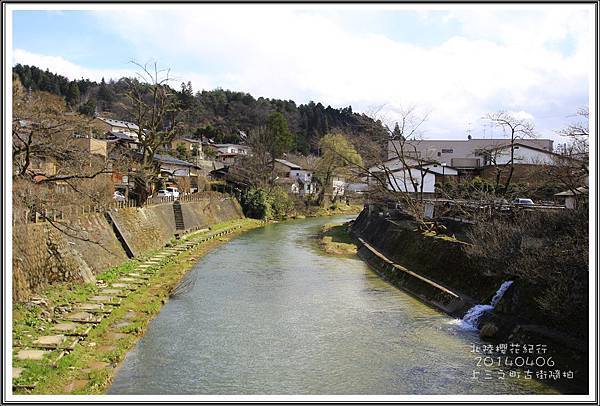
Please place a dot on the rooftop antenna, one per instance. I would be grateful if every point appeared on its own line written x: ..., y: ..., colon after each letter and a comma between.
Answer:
x: 469, y: 131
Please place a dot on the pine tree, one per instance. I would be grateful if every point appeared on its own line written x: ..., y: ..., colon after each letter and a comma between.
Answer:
x: 73, y: 94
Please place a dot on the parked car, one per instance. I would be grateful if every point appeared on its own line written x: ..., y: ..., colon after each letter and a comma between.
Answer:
x: 523, y: 202
x: 168, y: 192
x: 174, y: 191
x: 118, y: 196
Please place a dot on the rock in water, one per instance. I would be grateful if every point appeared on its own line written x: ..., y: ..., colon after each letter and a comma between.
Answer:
x: 489, y: 330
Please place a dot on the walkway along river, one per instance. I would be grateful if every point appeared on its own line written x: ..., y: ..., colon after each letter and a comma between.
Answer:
x: 271, y: 314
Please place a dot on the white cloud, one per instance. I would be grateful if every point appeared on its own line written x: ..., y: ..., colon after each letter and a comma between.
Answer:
x: 500, y: 61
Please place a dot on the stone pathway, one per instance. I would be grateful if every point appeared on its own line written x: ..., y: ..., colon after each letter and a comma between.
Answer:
x: 17, y: 372
x: 32, y: 354
x: 53, y: 342
x: 75, y: 325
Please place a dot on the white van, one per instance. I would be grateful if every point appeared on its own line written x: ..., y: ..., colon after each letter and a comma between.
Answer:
x: 169, y: 192
x: 173, y: 191
x: 523, y: 202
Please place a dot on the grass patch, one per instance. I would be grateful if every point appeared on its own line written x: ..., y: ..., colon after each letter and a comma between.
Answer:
x: 445, y: 237
x: 337, y: 240
x: 336, y: 209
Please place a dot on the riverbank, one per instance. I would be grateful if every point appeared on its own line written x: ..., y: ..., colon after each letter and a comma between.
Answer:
x: 439, y: 271
x: 335, y: 209
x: 100, y: 322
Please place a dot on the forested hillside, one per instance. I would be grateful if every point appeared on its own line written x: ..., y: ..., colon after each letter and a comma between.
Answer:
x: 222, y: 115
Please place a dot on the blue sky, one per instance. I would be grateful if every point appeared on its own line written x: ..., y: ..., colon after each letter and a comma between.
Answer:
x: 456, y: 63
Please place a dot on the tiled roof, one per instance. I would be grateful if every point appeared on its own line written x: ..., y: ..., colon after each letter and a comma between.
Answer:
x: 288, y: 164
x: 168, y: 159
x: 120, y: 136
x: 119, y: 123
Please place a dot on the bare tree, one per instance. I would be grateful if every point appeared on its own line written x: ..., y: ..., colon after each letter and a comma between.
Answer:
x: 571, y: 168
x: 155, y: 109
x: 401, y: 178
x: 54, y: 170
x: 517, y: 129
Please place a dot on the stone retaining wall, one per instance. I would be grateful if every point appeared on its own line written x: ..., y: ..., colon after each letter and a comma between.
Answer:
x: 440, y: 260
x: 43, y: 255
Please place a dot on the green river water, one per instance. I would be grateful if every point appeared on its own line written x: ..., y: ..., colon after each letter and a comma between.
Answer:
x: 269, y: 313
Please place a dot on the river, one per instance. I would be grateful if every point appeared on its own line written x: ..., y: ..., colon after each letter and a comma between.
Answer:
x: 269, y: 313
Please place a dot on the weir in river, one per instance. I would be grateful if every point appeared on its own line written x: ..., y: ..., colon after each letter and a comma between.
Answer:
x: 269, y: 313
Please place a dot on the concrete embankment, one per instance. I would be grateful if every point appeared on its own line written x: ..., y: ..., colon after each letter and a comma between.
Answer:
x: 80, y: 248
x: 433, y: 268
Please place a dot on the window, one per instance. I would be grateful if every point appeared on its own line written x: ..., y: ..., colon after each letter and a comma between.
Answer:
x: 447, y: 151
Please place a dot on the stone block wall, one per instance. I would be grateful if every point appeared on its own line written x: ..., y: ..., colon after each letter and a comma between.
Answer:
x: 87, y: 246
x: 43, y: 256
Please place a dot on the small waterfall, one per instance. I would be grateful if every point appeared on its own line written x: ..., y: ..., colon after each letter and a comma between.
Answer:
x: 471, y: 318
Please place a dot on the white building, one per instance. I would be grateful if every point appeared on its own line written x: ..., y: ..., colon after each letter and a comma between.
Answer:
x: 458, y: 153
x: 338, y: 186
x: 120, y: 126
x: 302, y: 179
x: 232, y: 149
x: 401, y: 178
x: 523, y: 154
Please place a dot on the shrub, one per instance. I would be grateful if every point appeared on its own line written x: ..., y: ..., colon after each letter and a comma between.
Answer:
x: 256, y: 204
x: 548, y: 254
x: 281, y: 203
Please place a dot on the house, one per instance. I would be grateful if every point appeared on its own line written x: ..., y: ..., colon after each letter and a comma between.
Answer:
x: 233, y: 149
x: 184, y: 174
x: 467, y: 154
x: 110, y: 125
x: 357, y: 187
x: 338, y: 186
x: 228, y: 153
x: 175, y: 167
x: 522, y: 154
x: 93, y: 146
x: 193, y: 147
x: 301, y: 178
x: 572, y: 196
x: 404, y: 176
x: 122, y: 140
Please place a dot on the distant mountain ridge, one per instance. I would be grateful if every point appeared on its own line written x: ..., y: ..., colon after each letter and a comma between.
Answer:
x: 218, y: 114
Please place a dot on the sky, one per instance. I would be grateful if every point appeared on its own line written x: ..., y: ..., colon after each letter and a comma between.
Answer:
x: 453, y: 63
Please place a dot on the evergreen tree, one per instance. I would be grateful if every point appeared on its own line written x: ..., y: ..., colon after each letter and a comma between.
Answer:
x: 281, y: 139
x: 73, y: 94
x: 104, y: 93
x: 88, y: 108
